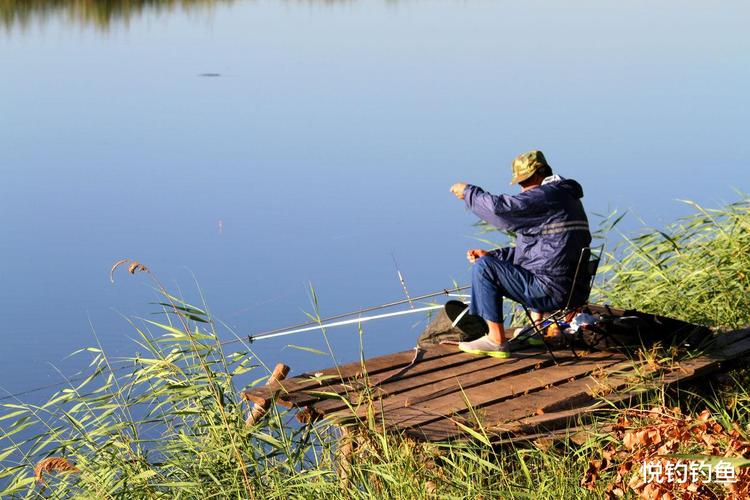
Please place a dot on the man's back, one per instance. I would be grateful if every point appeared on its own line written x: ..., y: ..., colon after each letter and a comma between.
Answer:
x: 550, y: 223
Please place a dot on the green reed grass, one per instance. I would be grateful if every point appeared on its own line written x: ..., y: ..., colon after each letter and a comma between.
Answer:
x: 170, y: 423
x: 697, y: 269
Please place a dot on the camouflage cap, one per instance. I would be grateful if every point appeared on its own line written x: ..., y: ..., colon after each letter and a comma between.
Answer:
x: 524, y: 165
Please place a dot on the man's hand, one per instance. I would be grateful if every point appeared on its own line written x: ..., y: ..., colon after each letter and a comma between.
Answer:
x: 474, y: 254
x: 458, y: 190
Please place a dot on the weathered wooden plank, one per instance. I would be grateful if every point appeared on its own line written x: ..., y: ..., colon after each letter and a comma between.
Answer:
x: 385, y: 383
x: 578, y: 435
x: 440, y: 430
x: 493, y: 392
x: 493, y: 369
x: 349, y: 370
x: 508, y: 370
x: 418, y: 408
x: 569, y: 395
x: 684, y: 372
x: 572, y: 394
x: 467, y: 364
x: 445, y: 430
x: 554, y: 418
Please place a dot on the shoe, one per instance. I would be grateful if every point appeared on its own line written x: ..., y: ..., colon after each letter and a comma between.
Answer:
x: 529, y: 338
x: 486, y: 347
x: 535, y: 341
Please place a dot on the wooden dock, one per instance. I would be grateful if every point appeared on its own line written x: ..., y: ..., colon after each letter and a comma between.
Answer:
x: 446, y: 395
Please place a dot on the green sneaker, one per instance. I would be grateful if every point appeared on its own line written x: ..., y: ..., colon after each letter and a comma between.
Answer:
x: 485, y: 346
x: 531, y: 339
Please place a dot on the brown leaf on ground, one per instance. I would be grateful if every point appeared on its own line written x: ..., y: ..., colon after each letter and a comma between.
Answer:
x: 591, y: 474
x: 629, y: 440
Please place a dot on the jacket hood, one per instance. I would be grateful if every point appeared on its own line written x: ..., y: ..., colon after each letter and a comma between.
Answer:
x: 572, y: 187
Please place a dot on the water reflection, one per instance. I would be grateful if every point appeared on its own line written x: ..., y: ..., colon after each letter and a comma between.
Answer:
x: 99, y: 13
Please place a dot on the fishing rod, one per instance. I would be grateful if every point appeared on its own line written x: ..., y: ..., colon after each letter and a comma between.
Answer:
x: 321, y: 325
x: 288, y: 330
x: 326, y: 322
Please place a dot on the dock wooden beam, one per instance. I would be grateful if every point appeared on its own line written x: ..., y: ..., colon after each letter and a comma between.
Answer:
x: 261, y: 405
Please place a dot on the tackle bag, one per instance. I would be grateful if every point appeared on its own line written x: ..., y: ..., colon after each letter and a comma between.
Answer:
x: 619, y: 329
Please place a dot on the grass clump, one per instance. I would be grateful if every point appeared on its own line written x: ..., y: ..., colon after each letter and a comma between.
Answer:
x: 697, y: 269
x: 167, y: 423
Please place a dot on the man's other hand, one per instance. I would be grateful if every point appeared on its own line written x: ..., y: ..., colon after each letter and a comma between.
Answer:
x: 474, y: 254
x: 458, y: 190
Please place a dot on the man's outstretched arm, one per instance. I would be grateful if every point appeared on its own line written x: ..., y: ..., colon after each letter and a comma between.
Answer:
x: 504, y: 211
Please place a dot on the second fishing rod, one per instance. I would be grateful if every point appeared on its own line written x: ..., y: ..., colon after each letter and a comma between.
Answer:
x: 318, y: 323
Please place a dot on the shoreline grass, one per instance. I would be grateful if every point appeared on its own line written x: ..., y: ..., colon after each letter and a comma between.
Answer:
x: 170, y: 423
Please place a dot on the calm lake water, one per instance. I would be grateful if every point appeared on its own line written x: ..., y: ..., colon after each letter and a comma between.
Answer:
x: 327, y: 143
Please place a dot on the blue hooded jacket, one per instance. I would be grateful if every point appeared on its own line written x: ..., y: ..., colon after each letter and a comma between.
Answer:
x: 551, y: 229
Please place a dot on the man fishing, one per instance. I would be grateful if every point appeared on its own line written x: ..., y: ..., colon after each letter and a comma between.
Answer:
x: 551, y: 230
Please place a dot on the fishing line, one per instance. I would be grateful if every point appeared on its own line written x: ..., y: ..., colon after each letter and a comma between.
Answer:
x: 70, y: 381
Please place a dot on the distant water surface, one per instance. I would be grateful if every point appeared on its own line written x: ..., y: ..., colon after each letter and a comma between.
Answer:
x: 254, y: 148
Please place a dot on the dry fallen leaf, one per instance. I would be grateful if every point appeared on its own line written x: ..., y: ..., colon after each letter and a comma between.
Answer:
x: 137, y: 266
x: 132, y: 269
x: 430, y: 487
x: 52, y: 464
x: 651, y: 434
x: 629, y: 440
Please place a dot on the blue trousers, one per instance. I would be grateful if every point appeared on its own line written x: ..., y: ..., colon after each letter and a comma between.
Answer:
x: 493, y: 278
